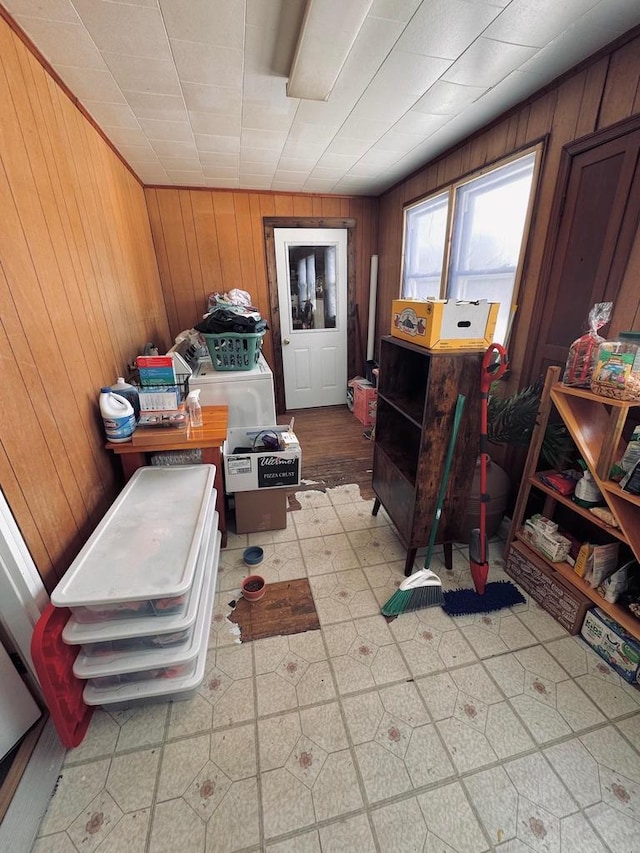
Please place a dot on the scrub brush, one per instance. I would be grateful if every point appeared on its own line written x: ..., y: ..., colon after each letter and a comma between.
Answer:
x: 421, y: 589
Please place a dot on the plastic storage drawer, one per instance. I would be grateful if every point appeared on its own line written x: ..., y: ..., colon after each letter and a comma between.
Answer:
x: 141, y: 559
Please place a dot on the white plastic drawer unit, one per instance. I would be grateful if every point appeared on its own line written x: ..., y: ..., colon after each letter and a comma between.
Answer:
x: 141, y: 558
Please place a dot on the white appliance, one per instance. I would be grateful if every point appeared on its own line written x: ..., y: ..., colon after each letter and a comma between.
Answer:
x: 248, y: 393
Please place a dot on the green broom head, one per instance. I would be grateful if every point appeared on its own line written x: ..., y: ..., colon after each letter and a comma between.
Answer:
x: 421, y: 589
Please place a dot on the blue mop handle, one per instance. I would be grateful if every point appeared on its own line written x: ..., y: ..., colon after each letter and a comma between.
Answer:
x: 457, y: 418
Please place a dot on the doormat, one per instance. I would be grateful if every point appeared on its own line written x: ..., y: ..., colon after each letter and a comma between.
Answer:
x: 286, y: 608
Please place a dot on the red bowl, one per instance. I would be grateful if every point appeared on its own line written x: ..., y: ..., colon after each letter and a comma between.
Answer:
x: 253, y: 587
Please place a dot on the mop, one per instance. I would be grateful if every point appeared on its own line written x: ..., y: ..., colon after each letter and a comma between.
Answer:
x: 424, y: 588
x: 492, y: 596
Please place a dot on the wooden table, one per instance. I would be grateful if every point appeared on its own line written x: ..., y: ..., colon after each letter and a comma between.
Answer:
x: 209, y: 438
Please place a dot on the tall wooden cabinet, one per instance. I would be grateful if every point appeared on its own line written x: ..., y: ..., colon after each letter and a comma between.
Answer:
x: 417, y: 394
x: 596, y: 425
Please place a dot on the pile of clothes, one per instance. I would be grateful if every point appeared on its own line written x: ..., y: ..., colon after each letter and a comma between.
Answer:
x: 231, y: 312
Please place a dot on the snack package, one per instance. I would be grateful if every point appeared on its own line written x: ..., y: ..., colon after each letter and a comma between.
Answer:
x: 584, y: 351
x: 603, y: 562
x: 612, y: 587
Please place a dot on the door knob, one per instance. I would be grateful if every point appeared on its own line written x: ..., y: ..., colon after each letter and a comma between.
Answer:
x: 286, y: 341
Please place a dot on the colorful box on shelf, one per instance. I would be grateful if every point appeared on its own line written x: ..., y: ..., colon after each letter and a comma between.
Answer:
x: 543, y: 535
x: 445, y: 324
x: 156, y: 370
x: 620, y: 650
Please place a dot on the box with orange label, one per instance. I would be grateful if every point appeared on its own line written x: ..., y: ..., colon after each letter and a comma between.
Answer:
x: 445, y: 324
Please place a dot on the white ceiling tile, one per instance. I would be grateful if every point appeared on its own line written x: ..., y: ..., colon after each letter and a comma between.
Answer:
x: 348, y: 145
x: 138, y: 154
x: 134, y: 30
x: 486, y: 62
x: 416, y: 122
x: 111, y: 115
x: 323, y: 113
x: 445, y: 98
x: 327, y: 174
x: 66, y: 44
x: 363, y: 170
x: 297, y: 164
x: 394, y: 10
x: 617, y: 16
x: 217, y: 22
x: 445, y: 28
x: 338, y: 161
x: 52, y: 10
x: 535, y: 24
x: 296, y: 148
x: 151, y: 4
x: 214, y: 158
x: 284, y: 186
x: 258, y: 155
x: 271, y: 139
x: 253, y: 182
x: 257, y: 169
x: 403, y: 78
x: 179, y: 130
x: 126, y: 136
x: 91, y: 83
x: 262, y: 118
x: 215, y: 125
x: 220, y: 171
x: 143, y: 75
x: 161, y: 107
x: 398, y: 143
x: 378, y: 157
x: 291, y: 175
x: 204, y: 63
x: 218, y: 144
x: 151, y: 175
x: 189, y: 179
x: 172, y: 148
x: 182, y: 164
x: 372, y: 46
x: 314, y: 185
x: 315, y: 133
x: 219, y: 100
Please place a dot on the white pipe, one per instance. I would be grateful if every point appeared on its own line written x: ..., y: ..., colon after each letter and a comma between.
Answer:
x: 373, y: 291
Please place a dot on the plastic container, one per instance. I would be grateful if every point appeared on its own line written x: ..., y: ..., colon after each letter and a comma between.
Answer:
x: 145, y: 549
x: 129, y: 392
x: 194, y: 408
x: 234, y: 351
x: 617, y: 371
x: 117, y: 416
x: 103, y: 638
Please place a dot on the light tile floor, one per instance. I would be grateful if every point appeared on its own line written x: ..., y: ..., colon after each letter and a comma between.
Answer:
x: 431, y: 734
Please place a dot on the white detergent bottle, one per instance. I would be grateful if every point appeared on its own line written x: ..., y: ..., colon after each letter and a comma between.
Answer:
x: 194, y: 408
x: 117, y: 416
x: 129, y: 392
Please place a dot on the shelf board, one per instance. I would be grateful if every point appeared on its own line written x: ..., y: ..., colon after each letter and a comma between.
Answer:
x: 619, y: 614
x: 574, y: 507
x: 394, y: 458
x: 402, y: 405
x: 560, y: 388
x: 614, y: 489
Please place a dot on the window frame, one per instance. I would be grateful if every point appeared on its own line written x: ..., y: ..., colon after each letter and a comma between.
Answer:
x: 451, y: 190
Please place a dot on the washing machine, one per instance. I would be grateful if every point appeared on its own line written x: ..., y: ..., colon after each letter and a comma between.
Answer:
x: 248, y: 393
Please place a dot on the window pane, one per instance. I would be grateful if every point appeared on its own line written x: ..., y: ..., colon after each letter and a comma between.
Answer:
x: 424, y: 241
x: 312, y: 281
x: 489, y: 218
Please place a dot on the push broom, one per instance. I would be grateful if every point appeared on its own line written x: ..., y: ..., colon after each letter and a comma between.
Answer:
x: 424, y: 588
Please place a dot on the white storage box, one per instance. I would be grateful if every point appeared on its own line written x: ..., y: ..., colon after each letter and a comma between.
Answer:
x: 99, y: 639
x: 141, y: 559
x: 162, y: 686
x: 248, y: 471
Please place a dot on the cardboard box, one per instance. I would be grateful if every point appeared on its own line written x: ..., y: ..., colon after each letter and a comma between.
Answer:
x: 620, y: 650
x: 246, y: 470
x: 364, y: 398
x: 261, y: 510
x: 445, y: 324
x: 565, y: 603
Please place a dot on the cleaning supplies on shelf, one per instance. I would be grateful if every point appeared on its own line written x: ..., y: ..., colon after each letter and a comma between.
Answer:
x: 194, y: 408
x: 129, y: 392
x: 587, y: 493
x: 117, y: 416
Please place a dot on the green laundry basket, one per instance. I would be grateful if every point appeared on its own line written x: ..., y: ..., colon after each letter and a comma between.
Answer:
x: 234, y: 351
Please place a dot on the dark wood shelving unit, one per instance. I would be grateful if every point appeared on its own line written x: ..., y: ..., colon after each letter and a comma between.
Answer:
x: 417, y: 394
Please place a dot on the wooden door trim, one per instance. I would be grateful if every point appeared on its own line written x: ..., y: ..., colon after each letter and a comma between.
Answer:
x: 270, y: 223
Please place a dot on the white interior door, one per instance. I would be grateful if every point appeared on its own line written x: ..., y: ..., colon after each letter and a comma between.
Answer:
x: 311, y: 266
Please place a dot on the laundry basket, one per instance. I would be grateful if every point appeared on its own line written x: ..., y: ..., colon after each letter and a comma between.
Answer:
x: 234, y: 351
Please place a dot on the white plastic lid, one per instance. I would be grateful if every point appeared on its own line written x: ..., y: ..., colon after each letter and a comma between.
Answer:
x: 146, y: 546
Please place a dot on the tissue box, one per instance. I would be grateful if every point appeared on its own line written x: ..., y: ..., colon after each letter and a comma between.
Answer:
x: 445, y: 324
x: 620, y: 650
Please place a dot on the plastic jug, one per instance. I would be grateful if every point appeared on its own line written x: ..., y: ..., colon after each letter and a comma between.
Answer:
x: 129, y: 392
x: 587, y: 493
x: 117, y: 416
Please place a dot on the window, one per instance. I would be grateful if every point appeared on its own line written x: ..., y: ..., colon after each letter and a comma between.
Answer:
x: 482, y: 223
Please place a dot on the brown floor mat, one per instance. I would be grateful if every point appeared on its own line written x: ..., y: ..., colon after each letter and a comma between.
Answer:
x: 286, y: 608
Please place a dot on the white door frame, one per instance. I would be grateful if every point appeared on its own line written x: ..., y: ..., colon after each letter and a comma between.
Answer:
x: 354, y: 333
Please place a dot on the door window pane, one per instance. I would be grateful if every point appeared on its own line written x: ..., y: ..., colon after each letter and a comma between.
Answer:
x: 425, y: 235
x: 313, y: 287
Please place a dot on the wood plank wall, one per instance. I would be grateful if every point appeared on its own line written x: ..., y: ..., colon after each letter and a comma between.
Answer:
x: 210, y: 240
x: 79, y: 295
x: 595, y: 96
